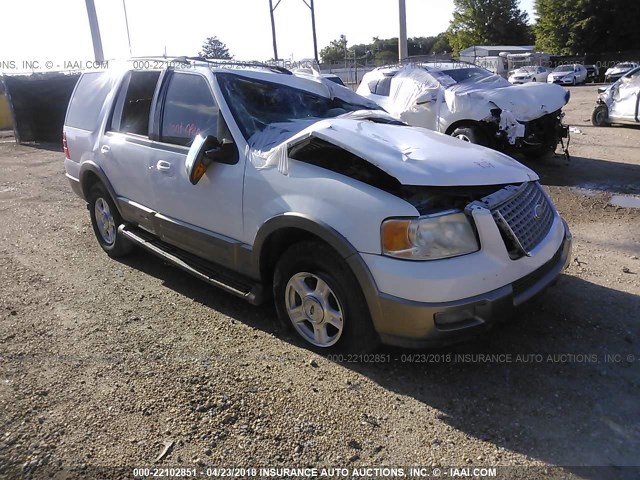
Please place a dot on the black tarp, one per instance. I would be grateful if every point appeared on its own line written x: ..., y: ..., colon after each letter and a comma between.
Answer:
x: 39, y: 104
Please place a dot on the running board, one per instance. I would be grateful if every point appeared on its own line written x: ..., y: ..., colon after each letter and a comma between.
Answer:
x: 211, y: 273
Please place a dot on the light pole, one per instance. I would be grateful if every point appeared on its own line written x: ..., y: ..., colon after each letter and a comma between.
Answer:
x: 273, y: 28
x: 313, y: 28
x: 402, y: 39
x: 95, y: 31
x: 126, y: 21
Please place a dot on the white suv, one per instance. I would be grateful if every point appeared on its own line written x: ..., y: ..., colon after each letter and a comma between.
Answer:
x: 264, y: 183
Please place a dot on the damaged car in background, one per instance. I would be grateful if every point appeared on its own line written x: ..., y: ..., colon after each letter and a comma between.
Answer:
x: 619, y: 103
x: 472, y: 104
x: 271, y: 186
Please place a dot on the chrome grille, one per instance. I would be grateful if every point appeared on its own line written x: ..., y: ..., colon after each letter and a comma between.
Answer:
x: 523, y: 214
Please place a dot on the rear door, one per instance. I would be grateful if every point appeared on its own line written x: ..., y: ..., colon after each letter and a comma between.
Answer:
x: 206, y: 218
x: 125, y: 149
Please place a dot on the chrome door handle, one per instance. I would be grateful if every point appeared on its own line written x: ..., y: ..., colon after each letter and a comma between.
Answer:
x: 105, y: 149
x: 163, y: 166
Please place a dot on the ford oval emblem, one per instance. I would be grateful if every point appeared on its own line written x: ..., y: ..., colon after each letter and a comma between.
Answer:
x: 537, y: 212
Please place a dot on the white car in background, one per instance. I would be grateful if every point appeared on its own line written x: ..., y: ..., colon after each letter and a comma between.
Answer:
x: 568, y: 75
x: 472, y: 104
x: 616, y: 72
x: 532, y: 73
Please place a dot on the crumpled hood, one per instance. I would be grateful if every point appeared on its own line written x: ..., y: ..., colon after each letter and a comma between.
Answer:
x: 413, y: 155
x: 527, y: 102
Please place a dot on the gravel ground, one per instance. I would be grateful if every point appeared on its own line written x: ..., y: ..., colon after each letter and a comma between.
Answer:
x: 107, y: 363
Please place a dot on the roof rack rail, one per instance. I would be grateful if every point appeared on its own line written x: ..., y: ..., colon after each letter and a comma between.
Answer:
x: 237, y: 63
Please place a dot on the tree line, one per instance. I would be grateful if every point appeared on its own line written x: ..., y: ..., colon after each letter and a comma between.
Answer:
x: 562, y: 27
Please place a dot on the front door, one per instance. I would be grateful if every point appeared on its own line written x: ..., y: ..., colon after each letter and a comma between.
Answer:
x: 205, y: 219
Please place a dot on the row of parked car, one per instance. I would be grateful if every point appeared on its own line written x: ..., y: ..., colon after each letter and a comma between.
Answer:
x: 569, y: 74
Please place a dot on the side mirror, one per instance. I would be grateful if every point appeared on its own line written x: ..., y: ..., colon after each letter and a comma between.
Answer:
x: 206, y: 150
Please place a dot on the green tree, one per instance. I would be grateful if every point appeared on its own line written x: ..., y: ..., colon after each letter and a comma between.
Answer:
x: 214, y: 48
x: 335, y: 51
x: 441, y: 44
x: 579, y: 26
x: 487, y: 22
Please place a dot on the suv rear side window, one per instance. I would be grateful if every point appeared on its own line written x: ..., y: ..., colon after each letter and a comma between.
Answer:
x: 88, y: 98
x: 189, y: 109
x: 380, y: 86
x: 131, y: 111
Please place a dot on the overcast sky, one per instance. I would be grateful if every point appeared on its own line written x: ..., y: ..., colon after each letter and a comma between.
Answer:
x: 59, y: 30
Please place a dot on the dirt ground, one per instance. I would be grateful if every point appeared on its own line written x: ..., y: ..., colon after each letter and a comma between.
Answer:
x: 105, y: 364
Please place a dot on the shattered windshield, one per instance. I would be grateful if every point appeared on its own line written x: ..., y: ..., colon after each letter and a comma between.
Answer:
x: 256, y: 104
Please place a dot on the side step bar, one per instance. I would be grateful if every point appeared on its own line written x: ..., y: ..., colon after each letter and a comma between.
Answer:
x: 209, y: 272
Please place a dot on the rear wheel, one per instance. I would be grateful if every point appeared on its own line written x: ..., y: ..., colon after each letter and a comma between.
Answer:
x: 600, y: 116
x: 105, y: 220
x: 318, y: 297
x: 471, y: 134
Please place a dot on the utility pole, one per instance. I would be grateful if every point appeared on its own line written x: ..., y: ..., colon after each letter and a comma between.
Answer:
x: 402, y: 39
x: 273, y: 28
x: 95, y: 31
x: 313, y: 28
x: 126, y: 21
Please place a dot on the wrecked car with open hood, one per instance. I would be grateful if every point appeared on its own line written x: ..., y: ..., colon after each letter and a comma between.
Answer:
x: 472, y: 104
x: 271, y: 186
x: 620, y: 102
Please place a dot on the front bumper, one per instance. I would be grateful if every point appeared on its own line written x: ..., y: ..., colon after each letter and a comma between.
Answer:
x: 561, y: 81
x: 417, y: 325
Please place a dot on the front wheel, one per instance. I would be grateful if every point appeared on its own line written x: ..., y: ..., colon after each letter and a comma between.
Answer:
x: 600, y: 116
x: 318, y: 297
x: 105, y: 220
x: 470, y: 134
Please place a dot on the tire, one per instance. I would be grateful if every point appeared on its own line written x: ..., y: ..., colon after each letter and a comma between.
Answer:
x: 471, y: 134
x: 313, y: 284
x: 534, y: 79
x: 600, y: 116
x: 105, y: 220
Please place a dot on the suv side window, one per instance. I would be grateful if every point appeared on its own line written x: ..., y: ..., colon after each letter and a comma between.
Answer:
x: 189, y: 109
x: 131, y: 111
x: 89, y: 96
x: 380, y: 86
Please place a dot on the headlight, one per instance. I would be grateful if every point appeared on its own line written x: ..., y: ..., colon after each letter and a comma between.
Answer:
x: 442, y: 235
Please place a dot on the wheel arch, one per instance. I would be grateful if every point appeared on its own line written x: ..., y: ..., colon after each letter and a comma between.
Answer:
x: 90, y: 174
x: 484, y: 127
x: 280, y: 232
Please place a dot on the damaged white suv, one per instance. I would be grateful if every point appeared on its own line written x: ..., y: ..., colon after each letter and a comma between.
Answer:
x: 472, y: 104
x: 266, y: 184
